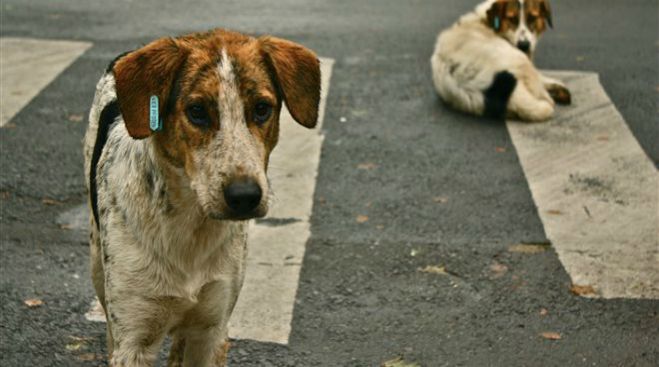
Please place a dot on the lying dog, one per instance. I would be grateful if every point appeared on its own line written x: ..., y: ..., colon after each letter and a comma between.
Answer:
x: 176, y: 155
x: 483, y: 63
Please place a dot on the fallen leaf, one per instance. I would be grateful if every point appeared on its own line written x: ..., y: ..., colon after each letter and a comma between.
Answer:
x: 498, y: 270
x: 33, y: 302
x: 528, y: 248
x: 544, y: 312
x: 367, y: 166
x: 431, y: 269
x: 554, y: 212
x: 362, y: 219
x: 48, y: 201
x: 66, y: 226
x: 500, y: 149
x: 75, y: 117
x: 398, y: 362
x: 440, y: 199
x: 583, y: 290
x: 75, y: 346
x: 89, y: 357
x: 95, y: 313
x: 549, y: 335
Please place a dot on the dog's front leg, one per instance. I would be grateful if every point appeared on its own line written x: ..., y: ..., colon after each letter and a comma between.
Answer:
x: 138, y: 325
x: 204, y: 327
x: 557, y: 90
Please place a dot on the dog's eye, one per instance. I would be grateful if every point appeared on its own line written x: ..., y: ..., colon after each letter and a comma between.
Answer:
x: 198, y: 115
x: 262, y: 112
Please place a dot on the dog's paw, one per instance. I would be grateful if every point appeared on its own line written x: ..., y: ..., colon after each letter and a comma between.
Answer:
x: 560, y: 94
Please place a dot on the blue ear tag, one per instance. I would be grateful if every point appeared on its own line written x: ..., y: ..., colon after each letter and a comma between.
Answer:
x: 497, y: 23
x: 155, y: 123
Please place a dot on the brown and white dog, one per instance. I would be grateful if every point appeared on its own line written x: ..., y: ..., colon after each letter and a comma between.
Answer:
x: 483, y: 63
x: 169, y: 207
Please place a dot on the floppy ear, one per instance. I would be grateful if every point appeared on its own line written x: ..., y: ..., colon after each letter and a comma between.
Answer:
x: 141, y: 74
x: 297, y: 72
x: 495, y: 15
x: 545, y: 12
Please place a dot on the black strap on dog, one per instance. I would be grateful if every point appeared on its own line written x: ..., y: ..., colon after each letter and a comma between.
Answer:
x: 108, y: 116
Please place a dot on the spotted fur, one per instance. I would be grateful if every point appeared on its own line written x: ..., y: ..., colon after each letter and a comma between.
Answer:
x: 167, y: 251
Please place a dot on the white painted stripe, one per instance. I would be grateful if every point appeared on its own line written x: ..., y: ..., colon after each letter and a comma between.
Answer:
x: 29, y: 65
x: 596, y: 192
x: 265, y: 306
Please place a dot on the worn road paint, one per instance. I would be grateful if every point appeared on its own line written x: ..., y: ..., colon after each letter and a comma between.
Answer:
x: 27, y: 66
x: 276, y: 246
x: 596, y: 192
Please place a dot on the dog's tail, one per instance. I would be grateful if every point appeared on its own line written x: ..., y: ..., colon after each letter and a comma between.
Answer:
x: 498, y: 94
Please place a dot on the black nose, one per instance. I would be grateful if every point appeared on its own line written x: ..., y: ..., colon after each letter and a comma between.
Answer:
x: 242, y: 197
x: 524, y: 46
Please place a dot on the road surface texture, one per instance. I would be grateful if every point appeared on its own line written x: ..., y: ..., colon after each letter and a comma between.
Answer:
x: 425, y: 240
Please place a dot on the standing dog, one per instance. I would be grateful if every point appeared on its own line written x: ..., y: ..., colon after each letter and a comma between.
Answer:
x: 483, y: 63
x: 169, y: 201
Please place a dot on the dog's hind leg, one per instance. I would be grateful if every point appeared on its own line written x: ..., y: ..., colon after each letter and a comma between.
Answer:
x: 176, y: 352
x: 557, y: 90
x: 98, y: 280
x: 498, y: 95
x: 528, y: 107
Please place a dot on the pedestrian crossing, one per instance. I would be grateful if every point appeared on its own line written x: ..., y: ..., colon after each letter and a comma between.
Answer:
x: 596, y: 192
x: 603, y: 244
x: 27, y: 66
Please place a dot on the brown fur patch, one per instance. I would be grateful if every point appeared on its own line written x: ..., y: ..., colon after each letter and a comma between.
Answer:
x: 507, y: 12
x: 141, y: 74
x: 297, y: 70
x: 538, y: 15
x: 560, y: 94
x: 183, y: 70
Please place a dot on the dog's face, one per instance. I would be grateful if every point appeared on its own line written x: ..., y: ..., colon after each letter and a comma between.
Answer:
x: 520, y: 22
x: 220, y: 96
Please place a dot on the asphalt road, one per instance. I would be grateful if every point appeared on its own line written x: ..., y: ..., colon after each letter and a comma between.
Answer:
x: 361, y: 300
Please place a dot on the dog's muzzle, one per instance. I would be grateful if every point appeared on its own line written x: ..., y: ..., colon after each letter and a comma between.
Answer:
x: 524, y: 46
x: 243, y: 197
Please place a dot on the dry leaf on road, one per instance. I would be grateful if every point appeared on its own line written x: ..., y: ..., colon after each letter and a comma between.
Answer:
x: 398, y: 362
x: 583, y: 290
x: 498, y: 270
x: 432, y: 269
x: 440, y: 199
x: 528, y: 248
x: 550, y: 335
x: 362, y: 219
x: 33, y: 302
x: 76, y: 117
x: 367, y: 166
x: 48, y: 201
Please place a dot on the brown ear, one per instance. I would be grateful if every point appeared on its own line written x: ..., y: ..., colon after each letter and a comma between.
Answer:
x: 545, y: 12
x: 496, y: 14
x: 142, y: 73
x: 297, y: 71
